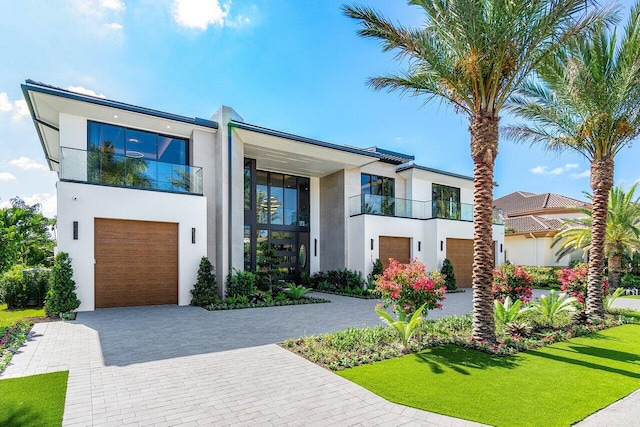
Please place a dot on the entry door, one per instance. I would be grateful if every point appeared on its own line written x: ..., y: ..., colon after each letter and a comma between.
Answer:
x: 136, y: 263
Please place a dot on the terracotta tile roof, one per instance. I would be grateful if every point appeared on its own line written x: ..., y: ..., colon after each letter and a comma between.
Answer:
x: 531, y: 223
x: 521, y: 203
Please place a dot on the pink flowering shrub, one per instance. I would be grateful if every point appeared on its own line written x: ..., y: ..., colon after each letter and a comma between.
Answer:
x: 574, y: 282
x: 406, y: 287
x: 512, y: 281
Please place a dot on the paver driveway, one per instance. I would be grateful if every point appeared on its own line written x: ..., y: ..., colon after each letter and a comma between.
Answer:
x: 185, y: 366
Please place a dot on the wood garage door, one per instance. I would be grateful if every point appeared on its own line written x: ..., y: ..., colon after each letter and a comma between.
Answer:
x: 460, y: 253
x: 136, y: 263
x: 394, y: 247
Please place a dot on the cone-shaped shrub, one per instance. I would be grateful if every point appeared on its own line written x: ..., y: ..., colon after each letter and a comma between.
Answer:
x: 61, y: 297
x: 205, y: 291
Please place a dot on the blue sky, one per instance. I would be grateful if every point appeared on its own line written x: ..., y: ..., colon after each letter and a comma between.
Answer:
x: 295, y: 66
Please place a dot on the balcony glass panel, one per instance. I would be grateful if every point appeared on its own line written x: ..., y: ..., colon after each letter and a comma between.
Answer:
x: 109, y: 168
x: 371, y: 204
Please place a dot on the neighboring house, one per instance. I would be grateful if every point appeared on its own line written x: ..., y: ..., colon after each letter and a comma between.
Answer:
x: 144, y: 194
x: 531, y: 223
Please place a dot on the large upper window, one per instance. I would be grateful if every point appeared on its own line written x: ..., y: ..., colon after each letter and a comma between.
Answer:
x: 377, y: 194
x: 445, y: 201
x: 135, y: 158
x: 281, y: 199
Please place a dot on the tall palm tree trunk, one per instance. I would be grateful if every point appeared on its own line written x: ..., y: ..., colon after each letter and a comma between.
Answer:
x: 601, y: 183
x: 484, y: 149
x: 615, y: 269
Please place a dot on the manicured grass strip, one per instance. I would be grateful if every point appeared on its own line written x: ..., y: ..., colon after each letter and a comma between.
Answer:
x: 8, y: 317
x: 37, y: 400
x: 631, y: 296
x: 553, y: 386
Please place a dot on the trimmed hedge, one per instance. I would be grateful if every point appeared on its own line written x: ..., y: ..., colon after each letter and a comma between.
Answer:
x: 543, y: 277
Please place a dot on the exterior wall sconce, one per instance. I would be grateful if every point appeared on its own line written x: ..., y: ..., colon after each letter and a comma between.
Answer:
x: 441, y: 246
x: 193, y: 235
x: 315, y: 247
x: 419, y: 246
x: 500, y: 247
x: 371, y: 244
x: 75, y: 230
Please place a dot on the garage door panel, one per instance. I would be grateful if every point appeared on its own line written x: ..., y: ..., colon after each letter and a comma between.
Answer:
x: 460, y: 253
x: 394, y: 247
x: 136, y: 263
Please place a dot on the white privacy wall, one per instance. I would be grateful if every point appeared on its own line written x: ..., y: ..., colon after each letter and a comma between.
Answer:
x: 85, y: 202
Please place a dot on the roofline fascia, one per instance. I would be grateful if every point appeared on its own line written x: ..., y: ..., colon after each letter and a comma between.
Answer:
x: 31, y: 85
x: 427, y: 169
x: 36, y: 121
x: 396, y: 154
x: 298, y: 138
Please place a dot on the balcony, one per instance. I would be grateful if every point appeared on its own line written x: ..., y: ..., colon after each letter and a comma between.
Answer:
x: 404, y: 208
x: 104, y: 168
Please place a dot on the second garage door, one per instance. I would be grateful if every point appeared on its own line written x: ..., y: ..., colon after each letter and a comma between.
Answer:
x: 394, y: 247
x: 460, y: 253
x: 136, y: 263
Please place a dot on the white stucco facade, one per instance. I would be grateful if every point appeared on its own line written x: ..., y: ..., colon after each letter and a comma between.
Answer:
x: 83, y: 203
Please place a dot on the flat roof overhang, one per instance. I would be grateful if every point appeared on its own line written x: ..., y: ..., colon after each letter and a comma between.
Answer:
x: 296, y: 155
x: 47, y: 102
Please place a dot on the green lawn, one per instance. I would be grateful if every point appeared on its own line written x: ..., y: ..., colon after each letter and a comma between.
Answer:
x: 553, y: 386
x: 631, y: 296
x: 10, y: 316
x: 37, y: 400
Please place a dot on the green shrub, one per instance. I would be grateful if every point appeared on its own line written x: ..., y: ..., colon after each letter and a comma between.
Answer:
x: 550, y: 306
x: 449, y: 275
x: 241, y: 283
x: 378, y: 269
x: 14, y: 289
x: 630, y: 280
x: 21, y: 286
x: 338, y: 280
x: 543, y: 277
x: 296, y: 292
x: 37, y: 280
x: 61, y: 297
x: 205, y: 291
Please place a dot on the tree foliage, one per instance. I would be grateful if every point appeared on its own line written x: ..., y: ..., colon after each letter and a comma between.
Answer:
x: 25, y: 236
x: 474, y: 55
x: 587, y: 99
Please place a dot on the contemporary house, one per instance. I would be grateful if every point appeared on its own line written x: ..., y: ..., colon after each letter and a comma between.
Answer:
x: 144, y: 194
x: 531, y: 223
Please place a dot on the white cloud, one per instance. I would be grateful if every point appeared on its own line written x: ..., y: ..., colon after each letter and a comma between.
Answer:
x: 6, y: 176
x: 5, y: 104
x: 27, y: 164
x: 100, y: 15
x: 115, y: 5
x: 114, y: 26
x: 584, y: 174
x: 199, y: 14
x: 544, y: 170
x: 19, y: 107
x: 85, y: 91
x: 48, y: 203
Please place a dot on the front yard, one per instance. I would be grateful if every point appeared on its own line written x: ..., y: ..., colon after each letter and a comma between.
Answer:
x: 553, y: 386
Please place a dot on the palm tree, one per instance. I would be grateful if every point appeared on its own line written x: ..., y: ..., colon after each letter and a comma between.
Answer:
x: 622, y: 234
x: 473, y: 55
x: 587, y: 99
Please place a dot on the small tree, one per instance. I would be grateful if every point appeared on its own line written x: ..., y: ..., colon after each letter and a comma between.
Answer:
x: 449, y: 276
x: 205, y: 291
x: 61, y: 297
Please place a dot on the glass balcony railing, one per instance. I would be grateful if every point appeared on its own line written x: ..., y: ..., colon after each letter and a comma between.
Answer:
x: 105, y: 168
x: 405, y: 208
